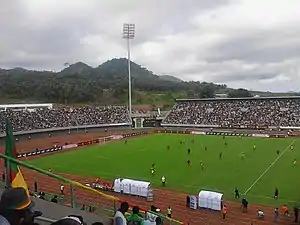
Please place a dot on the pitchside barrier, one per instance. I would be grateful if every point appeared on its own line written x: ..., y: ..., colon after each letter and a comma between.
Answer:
x: 86, y: 196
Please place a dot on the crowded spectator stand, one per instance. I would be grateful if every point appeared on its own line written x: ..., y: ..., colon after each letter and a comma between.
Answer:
x: 248, y: 113
x: 51, y: 118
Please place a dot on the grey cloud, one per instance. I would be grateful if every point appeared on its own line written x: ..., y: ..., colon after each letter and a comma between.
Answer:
x: 61, y: 36
x: 28, y: 43
x: 243, y: 76
x: 253, y: 47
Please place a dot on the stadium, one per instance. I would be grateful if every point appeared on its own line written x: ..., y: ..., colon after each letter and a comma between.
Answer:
x: 199, y: 146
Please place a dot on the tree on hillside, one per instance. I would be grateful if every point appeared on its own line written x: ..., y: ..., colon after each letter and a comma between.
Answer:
x: 239, y: 93
x: 80, y: 83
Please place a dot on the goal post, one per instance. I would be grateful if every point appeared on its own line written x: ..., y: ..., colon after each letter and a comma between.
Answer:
x: 103, y: 140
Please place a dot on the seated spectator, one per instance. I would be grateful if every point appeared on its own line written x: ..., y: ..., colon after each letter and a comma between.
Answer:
x: 92, y: 209
x: 153, y: 208
x: 42, y: 195
x: 54, y: 199
x: 119, y: 218
x: 285, y: 210
x: 158, y: 221
x: 260, y: 214
x: 16, y: 207
x: 135, y: 217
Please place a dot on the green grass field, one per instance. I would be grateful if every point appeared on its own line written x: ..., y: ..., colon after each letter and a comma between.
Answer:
x: 113, y: 160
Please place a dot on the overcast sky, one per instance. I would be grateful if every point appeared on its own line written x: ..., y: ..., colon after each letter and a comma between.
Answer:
x: 242, y: 43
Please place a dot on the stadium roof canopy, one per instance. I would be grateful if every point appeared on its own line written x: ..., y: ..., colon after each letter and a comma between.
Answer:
x: 236, y: 99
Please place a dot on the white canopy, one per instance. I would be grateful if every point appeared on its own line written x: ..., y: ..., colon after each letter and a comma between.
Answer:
x: 133, y: 187
x: 210, y: 200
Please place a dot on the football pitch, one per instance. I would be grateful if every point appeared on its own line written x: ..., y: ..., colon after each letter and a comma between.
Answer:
x: 256, y: 176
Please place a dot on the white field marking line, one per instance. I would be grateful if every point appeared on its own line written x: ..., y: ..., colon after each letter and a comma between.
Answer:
x: 266, y: 197
x: 268, y: 168
x: 101, y: 157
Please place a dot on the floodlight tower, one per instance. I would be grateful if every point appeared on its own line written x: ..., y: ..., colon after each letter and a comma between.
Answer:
x: 128, y: 33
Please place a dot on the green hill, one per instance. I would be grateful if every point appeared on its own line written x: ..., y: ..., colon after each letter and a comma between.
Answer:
x: 80, y: 83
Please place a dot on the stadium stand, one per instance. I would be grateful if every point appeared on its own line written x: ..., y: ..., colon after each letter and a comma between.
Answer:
x: 238, y: 112
x: 24, y: 120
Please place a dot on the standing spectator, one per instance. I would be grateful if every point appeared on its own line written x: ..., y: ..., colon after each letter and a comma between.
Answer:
x: 119, y: 218
x: 224, y: 211
x: 169, y: 212
x: 163, y: 181
x: 276, y: 214
x: 276, y: 192
x: 244, y: 205
x: 285, y: 210
x: 3, y: 177
x: 188, y: 201
x: 296, y: 212
x: 62, y: 188
x: 35, y: 186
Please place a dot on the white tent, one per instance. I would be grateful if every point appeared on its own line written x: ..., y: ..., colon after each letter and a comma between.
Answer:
x: 210, y: 200
x: 126, y: 183
x: 117, y: 185
x: 133, y: 187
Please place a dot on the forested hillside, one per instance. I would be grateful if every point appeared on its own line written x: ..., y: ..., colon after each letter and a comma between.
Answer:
x: 106, y: 84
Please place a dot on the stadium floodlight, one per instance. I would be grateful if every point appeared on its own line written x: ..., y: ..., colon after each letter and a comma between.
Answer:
x: 128, y: 33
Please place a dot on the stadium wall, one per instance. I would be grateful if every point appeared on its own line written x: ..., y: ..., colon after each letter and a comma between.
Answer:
x: 45, y: 133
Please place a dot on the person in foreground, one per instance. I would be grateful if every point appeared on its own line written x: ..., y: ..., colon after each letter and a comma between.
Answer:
x: 135, y: 217
x: 70, y: 220
x: 119, y: 218
x: 16, y: 208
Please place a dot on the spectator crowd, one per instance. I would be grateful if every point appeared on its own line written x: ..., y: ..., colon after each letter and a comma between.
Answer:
x: 17, y: 208
x: 63, y: 117
x: 237, y: 112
